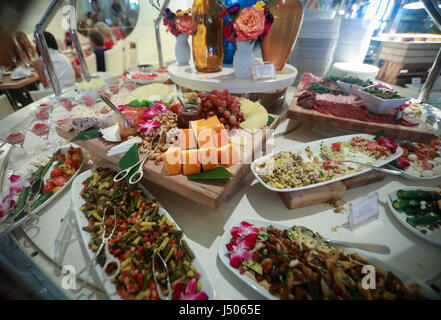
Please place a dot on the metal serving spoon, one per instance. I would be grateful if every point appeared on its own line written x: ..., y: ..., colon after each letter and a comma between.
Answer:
x: 372, y: 247
x: 384, y: 170
x: 111, y: 105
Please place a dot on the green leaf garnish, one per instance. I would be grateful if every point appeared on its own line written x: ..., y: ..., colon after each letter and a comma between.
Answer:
x: 87, y: 135
x: 129, y: 159
x: 270, y: 121
x: 218, y: 173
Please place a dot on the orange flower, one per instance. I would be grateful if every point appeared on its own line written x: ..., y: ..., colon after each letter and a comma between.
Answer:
x: 250, y: 24
x: 183, y: 24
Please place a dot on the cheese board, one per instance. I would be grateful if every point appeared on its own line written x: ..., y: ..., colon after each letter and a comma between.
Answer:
x: 421, y: 132
x: 209, y: 193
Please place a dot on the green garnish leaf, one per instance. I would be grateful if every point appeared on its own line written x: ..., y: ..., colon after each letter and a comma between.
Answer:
x: 87, y: 135
x: 129, y: 159
x: 134, y: 103
x: 379, y: 135
x: 270, y: 121
x: 218, y: 173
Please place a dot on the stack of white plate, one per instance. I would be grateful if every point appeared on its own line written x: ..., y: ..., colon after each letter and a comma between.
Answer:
x: 353, y: 41
x: 356, y: 70
x: 315, y: 46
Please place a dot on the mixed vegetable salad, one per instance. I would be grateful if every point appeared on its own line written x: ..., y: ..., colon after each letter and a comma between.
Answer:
x: 419, y: 159
x: 423, y: 208
x: 295, y: 264
x: 140, y: 232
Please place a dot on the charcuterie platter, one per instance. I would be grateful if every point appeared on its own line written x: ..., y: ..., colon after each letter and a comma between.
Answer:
x: 326, y: 105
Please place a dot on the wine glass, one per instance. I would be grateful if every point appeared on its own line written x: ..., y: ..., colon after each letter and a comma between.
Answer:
x: 17, y: 139
x: 42, y: 129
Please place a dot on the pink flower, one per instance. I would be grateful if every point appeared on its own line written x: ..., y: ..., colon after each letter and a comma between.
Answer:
x: 17, y: 183
x: 403, y: 163
x: 7, y: 205
x: 149, y: 114
x: 388, y: 143
x: 240, y: 252
x: 189, y: 293
x: 245, y: 231
x: 121, y: 107
x: 249, y: 24
x: 160, y: 107
x: 149, y: 126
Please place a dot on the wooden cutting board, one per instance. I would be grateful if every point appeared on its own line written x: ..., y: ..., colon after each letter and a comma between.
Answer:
x: 420, y: 133
x: 209, y: 193
x: 332, y: 191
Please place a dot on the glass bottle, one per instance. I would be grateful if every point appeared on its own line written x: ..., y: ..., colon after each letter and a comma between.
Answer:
x: 207, y: 37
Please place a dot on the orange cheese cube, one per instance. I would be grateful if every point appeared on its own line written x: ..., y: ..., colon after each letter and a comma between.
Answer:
x: 197, y: 126
x: 191, y: 162
x: 208, y: 158
x: 186, y: 139
x: 228, y: 155
x: 173, y: 160
x: 214, y: 123
x: 205, y: 138
x: 221, y: 138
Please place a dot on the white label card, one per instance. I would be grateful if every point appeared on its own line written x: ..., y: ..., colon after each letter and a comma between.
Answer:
x: 363, y: 210
x: 264, y: 71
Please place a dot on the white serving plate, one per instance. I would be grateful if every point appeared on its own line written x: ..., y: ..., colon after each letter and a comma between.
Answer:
x: 226, y: 237
x: 315, y: 148
x: 377, y: 105
x: 5, y: 228
x: 349, y: 88
x: 431, y: 236
x: 409, y: 176
x: 159, y: 79
x: 78, y: 201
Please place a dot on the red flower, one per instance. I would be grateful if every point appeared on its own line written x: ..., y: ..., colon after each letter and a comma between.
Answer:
x: 223, y: 13
x: 267, y: 29
x: 228, y: 32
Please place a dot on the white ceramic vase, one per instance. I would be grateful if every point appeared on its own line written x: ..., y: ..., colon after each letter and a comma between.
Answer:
x: 182, y: 49
x: 243, y: 59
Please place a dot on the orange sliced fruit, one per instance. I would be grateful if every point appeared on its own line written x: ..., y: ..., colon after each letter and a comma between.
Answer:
x: 228, y: 155
x: 186, y: 139
x: 208, y: 158
x: 173, y: 160
x: 191, y: 161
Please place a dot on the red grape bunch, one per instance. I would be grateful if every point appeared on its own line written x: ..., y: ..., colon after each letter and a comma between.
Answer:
x: 223, y: 105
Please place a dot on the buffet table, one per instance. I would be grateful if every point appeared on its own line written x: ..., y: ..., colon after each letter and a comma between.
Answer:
x: 204, y: 227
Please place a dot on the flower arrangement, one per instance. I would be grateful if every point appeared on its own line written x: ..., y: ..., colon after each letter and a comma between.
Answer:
x: 247, y: 24
x: 243, y: 240
x: 15, y: 185
x: 176, y: 23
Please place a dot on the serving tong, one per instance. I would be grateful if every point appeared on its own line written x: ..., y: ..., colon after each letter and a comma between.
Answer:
x: 110, y: 258
x: 159, y: 140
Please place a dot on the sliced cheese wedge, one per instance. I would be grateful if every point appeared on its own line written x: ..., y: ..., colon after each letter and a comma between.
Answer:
x: 173, y: 160
x: 191, y: 162
x: 228, y: 155
x: 209, y: 158
x: 186, y: 139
